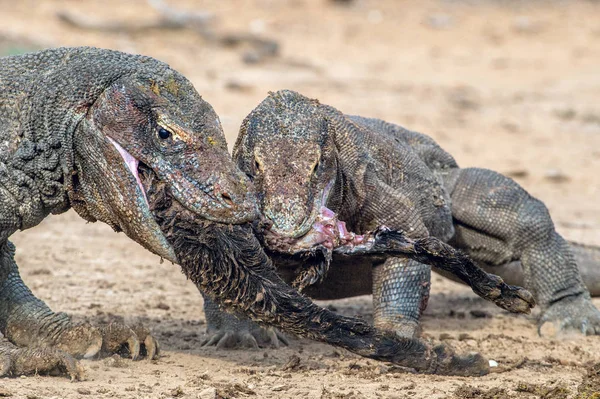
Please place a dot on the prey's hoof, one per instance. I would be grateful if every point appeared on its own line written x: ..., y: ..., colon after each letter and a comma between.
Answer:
x: 570, y: 316
x: 448, y: 363
x: 25, y: 361
x: 133, y: 341
x: 254, y: 338
x: 509, y: 297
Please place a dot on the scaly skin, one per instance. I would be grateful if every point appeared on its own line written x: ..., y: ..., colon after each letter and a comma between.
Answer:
x: 111, y: 134
x: 311, y: 164
x: 74, y: 125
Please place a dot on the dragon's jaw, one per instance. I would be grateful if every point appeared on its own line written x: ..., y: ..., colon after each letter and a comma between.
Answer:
x: 321, y: 229
x: 327, y: 231
x: 132, y: 164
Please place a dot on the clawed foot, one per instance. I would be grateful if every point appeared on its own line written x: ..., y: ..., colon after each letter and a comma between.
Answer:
x: 251, y: 338
x: 16, y: 361
x: 51, y: 345
x: 570, y: 315
x: 509, y: 297
x: 133, y: 341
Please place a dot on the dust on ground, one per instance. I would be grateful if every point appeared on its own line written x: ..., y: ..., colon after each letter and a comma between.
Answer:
x: 511, y: 86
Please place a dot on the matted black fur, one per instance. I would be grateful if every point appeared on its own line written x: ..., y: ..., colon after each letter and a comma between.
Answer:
x: 228, y: 264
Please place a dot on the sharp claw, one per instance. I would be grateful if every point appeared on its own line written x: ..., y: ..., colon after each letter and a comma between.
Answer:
x: 134, y: 347
x: 212, y: 340
x: 273, y: 339
x: 151, y: 347
x: 224, y: 342
x: 248, y: 341
x: 283, y: 339
x: 157, y: 346
x: 276, y: 338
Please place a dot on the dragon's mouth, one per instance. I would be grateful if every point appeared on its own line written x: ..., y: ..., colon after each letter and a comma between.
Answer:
x: 327, y: 231
x: 133, y: 165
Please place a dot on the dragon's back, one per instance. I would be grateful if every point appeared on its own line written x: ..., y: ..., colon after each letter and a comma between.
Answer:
x: 401, y: 139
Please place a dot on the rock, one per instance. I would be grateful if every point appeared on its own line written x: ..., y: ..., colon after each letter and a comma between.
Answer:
x: 208, y: 393
x: 479, y: 314
x: 556, y: 176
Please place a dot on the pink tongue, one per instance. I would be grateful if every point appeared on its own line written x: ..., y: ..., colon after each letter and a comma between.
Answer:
x: 132, y: 164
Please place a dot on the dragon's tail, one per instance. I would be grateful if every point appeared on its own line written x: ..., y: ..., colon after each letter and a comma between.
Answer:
x: 588, y: 260
x: 586, y: 256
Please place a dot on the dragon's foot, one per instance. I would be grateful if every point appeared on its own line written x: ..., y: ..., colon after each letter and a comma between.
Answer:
x: 135, y: 341
x: 253, y: 337
x: 233, y: 331
x: 16, y: 361
x: 509, y: 297
x: 45, y: 328
x: 55, y: 330
x: 570, y: 315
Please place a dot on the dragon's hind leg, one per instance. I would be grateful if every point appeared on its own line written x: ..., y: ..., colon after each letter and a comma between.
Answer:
x: 40, y: 340
x: 497, y: 222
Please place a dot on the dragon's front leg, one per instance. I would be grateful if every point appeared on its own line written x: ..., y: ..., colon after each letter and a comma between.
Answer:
x: 38, y: 340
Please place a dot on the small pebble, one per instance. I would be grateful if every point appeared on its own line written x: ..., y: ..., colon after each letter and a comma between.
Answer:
x: 493, y: 363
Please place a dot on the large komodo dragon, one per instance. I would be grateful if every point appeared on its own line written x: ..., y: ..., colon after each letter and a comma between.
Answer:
x: 314, y: 166
x: 126, y: 140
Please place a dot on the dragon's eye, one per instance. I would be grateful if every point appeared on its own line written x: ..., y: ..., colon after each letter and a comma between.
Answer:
x: 163, y: 133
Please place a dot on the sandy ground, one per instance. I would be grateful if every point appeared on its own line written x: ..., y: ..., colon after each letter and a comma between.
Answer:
x: 512, y: 86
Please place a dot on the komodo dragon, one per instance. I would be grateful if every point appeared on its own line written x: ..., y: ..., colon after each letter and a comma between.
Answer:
x: 126, y: 140
x: 314, y: 166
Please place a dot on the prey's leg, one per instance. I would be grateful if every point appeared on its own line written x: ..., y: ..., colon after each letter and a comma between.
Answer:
x: 400, y: 294
x: 28, y: 322
x: 441, y: 256
x: 227, y: 330
x: 498, y: 222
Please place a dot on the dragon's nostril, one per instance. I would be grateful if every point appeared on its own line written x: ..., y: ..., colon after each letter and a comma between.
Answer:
x: 227, y: 199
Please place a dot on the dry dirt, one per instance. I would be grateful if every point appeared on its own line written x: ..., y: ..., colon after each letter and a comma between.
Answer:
x: 512, y: 86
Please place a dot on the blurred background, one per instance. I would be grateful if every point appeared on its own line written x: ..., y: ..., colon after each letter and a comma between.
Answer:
x: 509, y: 85
x: 512, y: 86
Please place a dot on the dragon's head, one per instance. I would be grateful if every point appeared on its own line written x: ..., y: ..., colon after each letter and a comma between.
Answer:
x: 286, y: 147
x: 155, y: 123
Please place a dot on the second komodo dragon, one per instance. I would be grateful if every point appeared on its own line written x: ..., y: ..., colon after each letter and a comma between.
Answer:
x: 314, y: 167
x: 127, y: 140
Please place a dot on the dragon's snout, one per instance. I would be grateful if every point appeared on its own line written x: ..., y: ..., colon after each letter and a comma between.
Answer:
x: 287, y: 218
